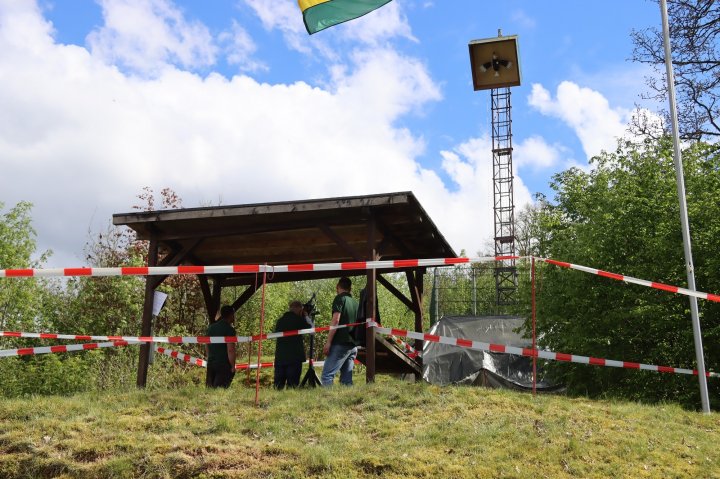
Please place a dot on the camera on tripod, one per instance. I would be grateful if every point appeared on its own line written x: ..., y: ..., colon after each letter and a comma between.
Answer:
x: 310, y: 308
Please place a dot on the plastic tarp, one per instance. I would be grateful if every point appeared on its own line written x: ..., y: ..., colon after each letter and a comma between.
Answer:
x: 444, y: 364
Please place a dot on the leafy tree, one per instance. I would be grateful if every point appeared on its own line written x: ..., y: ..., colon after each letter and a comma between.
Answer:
x: 20, y: 299
x: 695, y: 40
x: 623, y: 216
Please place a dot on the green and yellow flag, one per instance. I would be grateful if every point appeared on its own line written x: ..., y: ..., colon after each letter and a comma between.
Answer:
x: 321, y: 14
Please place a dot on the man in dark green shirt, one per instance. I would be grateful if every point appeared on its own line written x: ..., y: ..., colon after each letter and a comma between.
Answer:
x: 221, y: 356
x: 340, y: 350
x: 289, y: 350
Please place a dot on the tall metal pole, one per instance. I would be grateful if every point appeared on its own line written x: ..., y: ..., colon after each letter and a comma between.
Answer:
x: 697, y: 335
x: 534, y: 335
x: 474, y: 291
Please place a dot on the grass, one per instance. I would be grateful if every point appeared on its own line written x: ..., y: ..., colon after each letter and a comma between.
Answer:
x: 388, y: 429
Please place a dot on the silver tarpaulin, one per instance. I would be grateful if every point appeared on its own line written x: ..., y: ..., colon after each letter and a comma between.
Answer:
x: 444, y: 364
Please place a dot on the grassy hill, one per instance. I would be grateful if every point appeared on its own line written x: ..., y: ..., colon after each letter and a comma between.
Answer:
x: 388, y: 429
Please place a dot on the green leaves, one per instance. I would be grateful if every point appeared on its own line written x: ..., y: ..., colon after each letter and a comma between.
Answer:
x: 623, y: 216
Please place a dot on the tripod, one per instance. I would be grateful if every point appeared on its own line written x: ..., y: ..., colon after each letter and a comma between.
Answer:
x: 310, y: 380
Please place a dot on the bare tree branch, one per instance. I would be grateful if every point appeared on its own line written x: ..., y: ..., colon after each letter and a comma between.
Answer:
x: 695, y: 41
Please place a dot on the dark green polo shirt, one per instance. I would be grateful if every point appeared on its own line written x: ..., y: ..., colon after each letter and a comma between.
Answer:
x: 347, y: 306
x: 291, y: 348
x: 217, y: 353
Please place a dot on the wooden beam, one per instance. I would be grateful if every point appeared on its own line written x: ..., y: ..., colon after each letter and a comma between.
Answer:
x: 216, y: 297
x: 415, y: 283
x: 207, y: 295
x: 370, y: 290
x: 399, y: 244
x: 146, y: 327
x: 247, y: 280
x: 244, y: 297
x: 396, y: 292
x: 255, y: 210
x: 174, y: 259
x: 260, y: 228
x: 339, y: 241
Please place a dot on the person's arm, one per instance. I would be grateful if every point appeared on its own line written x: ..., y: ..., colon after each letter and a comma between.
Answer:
x: 333, y: 322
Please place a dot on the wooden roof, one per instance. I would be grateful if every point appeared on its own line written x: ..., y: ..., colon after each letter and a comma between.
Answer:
x: 307, y: 231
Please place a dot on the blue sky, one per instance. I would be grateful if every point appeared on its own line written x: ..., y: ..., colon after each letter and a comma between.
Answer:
x: 232, y: 102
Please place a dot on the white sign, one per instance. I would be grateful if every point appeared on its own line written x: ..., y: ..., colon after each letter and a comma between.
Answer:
x: 158, y: 302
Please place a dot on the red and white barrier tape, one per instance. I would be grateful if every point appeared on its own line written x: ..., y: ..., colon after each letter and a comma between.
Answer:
x: 182, y: 357
x: 460, y: 342
x: 500, y: 348
x: 246, y: 366
x: 630, y: 279
x: 243, y: 268
x: 176, y: 339
x: 409, y: 350
x: 203, y: 364
x: 356, y: 265
x: 67, y: 348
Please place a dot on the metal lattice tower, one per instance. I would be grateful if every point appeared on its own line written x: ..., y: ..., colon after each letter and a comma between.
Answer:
x: 504, y: 201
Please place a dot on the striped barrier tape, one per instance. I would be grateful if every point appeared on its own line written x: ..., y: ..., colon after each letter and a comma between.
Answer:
x: 182, y: 357
x: 500, y: 348
x: 67, y: 348
x: 243, y: 268
x: 409, y: 350
x: 630, y: 279
x: 203, y: 364
x: 246, y: 366
x: 460, y: 342
x: 354, y: 265
x: 176, y: 339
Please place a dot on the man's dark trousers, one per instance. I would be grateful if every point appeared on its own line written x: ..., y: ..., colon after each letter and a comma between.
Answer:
x: 287, y: 373
x: 220, y: 375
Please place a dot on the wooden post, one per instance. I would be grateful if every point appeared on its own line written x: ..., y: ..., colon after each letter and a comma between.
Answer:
x: 415, y: 279
x: 371, y: 290
x: 150, y: 284
x: 416, y: 293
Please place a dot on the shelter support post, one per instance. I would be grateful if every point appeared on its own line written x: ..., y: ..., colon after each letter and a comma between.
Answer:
x: 371, y: 290
x: 415, y: 282
x: 211, y: 297
x: 150, y: 284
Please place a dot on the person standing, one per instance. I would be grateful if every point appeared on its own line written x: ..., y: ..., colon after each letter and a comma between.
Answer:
x: 289, y: 350
x: 221, y: 356
x: 340, y: 350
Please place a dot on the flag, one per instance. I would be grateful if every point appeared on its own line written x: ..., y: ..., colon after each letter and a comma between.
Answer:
x: 321, y: 14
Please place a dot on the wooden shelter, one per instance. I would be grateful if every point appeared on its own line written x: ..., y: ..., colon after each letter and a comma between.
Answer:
x: 358, y: 228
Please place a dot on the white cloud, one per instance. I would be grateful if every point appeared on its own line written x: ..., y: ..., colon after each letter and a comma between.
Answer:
x: 466, y: 215
x: 285, y: 16
x: 80, y: 138
x: 373, y: 29
x: 379, y: 26
x: 586, y: 111
x: 239, y: 48
x: 535, y: 153
x: 145, y: 35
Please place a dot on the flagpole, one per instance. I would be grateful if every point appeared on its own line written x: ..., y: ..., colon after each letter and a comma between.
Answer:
x: 697, y: 335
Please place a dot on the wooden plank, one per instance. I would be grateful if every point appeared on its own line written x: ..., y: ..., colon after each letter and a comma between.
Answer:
x: 396, y: 292
x: 261, y: 208
x: 248, y: 279
x: 245, y: 296
x: 390, y: 359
